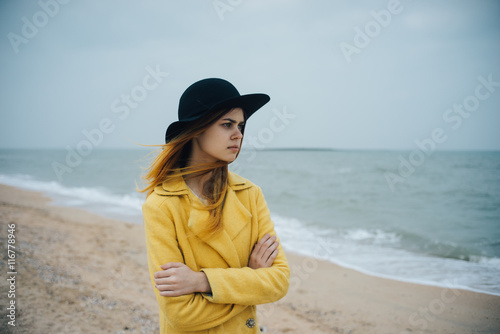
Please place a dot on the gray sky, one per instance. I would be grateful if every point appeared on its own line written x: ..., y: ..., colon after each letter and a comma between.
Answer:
x: 341, y: 74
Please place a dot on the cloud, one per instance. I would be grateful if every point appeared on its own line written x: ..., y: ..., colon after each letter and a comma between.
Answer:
x: 394, y: 90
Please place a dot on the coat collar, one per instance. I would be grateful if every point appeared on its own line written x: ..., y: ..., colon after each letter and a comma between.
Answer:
x: 176, y: 186
x: 235, y: 215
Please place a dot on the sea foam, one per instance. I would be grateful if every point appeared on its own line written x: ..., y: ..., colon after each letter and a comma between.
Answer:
x: 99, y: 200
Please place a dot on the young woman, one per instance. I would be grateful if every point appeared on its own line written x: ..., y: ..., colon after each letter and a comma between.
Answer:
x: 213, y: 253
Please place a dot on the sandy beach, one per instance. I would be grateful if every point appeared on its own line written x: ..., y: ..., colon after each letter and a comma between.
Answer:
x: 81, y: 273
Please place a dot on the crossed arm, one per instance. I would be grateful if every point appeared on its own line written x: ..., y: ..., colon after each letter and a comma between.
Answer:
x: 177, y: 279
x: 264, y: 280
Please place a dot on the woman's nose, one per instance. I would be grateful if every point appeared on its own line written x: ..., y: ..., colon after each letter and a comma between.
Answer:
x: 238, y: 134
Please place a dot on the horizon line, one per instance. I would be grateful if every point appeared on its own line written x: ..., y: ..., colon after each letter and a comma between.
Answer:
x: 330, y: 149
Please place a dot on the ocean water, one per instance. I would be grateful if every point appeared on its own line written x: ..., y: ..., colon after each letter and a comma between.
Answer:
x: 435, y: 221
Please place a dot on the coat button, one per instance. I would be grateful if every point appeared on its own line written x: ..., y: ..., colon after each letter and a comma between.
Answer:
x: 250, y: 323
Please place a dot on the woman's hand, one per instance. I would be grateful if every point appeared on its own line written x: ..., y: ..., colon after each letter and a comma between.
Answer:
x: 177, y: 279
x: 264, y: 252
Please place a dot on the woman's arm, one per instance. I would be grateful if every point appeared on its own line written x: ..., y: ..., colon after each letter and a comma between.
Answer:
x: 247, y: 286
x: 191, y: 312
x: 176, y: 279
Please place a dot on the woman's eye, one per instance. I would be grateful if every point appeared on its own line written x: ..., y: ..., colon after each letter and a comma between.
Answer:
x: 227, y: 125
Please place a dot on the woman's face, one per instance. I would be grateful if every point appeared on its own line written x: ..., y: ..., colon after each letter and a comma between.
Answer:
x: 221, y: 140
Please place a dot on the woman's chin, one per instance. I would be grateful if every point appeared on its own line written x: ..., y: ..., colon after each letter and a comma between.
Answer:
x: 230, y: 157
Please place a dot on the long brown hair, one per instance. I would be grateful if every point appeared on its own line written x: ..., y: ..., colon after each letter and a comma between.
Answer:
x: 172, y: 161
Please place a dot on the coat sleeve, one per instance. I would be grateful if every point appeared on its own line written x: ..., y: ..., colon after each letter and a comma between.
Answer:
x: 190, y: 312
x: 247, y: 286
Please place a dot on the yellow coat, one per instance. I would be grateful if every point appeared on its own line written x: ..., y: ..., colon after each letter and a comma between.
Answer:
x: 174, y: 220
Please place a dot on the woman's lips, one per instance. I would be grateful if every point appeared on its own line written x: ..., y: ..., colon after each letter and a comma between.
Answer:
x: 234, y: 148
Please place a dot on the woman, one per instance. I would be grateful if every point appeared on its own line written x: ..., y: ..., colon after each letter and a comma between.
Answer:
x: 213, y: 253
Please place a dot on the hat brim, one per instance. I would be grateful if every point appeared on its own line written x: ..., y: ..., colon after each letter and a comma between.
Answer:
x: 250, y: 103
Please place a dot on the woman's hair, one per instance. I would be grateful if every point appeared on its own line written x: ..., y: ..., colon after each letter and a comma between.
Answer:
x: 172, y: 161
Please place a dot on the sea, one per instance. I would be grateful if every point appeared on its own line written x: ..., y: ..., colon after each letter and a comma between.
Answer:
x: 430, y: 219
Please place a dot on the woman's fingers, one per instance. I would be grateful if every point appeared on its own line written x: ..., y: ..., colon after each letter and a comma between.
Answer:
x: 267, y: 241
x: 170, y: 293
x: 166, y: 278
x: 165, y: 281
x: 264, y: 252
x: 271, y: 258
x: 270, y: 251
x: 260, y: 246
x: 171, y: 265
x: 169, y: 269
x: 178, y: 279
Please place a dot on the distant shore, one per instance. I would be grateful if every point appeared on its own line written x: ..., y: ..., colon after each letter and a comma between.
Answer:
x: 388, y: 150
x: 81, y: 273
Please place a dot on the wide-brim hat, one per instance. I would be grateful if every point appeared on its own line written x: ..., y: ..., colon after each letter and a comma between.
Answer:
x: 211, y: 95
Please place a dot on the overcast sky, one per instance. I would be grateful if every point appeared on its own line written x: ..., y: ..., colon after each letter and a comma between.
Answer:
x: 341, y: 74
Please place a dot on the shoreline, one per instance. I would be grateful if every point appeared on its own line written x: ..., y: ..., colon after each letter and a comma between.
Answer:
x: 91, y: 276
x: 361, y: 248
x: 399, y: 279
x: 59, y: 201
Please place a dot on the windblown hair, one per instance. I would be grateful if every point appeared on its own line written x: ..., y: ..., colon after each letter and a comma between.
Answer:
x: 172, y: 161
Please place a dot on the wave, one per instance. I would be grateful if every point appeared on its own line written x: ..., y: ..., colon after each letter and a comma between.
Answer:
x: 381, y: 253
x: 376, y: 236
x: 493, y: 262
x: 100, y: 200
x: 378, y: 252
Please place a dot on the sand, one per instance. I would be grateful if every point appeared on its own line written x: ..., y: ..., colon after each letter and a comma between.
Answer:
x: 81, y: 273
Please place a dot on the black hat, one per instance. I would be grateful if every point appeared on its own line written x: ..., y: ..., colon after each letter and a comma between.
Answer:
x: 211, y: 95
